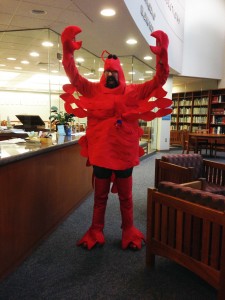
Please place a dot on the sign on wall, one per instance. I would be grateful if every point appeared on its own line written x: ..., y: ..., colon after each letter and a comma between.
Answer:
x: 166, y: 15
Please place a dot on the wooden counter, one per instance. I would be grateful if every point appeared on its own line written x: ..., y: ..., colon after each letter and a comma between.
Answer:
x: 39, y: 187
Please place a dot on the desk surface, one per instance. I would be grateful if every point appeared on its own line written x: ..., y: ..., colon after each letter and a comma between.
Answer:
x: 207, y: 135
x: 11, y: 152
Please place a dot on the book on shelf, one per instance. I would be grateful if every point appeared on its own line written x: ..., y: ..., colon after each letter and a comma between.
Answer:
x: 212, y: 119
x: 218, y: 111
x: 215, y: 99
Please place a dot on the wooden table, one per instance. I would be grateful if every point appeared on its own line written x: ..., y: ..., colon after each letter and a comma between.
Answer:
x: 212, y: 138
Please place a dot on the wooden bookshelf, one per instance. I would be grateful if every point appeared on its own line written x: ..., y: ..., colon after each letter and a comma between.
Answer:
x: 217, y: 112
x: 190, y: 110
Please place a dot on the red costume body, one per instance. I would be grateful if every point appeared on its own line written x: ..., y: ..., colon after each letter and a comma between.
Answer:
x: 112, y: 134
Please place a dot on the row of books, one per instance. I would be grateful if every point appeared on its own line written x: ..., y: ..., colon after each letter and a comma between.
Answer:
x: 218, y: 99
x: 217, y: 130
x: 185, y: 119
x: 201, y: 101
x: 218, y: 111
x: 199, y: 119
x: 187, y: 111
x: 200, y: 110
x: 217, y: 119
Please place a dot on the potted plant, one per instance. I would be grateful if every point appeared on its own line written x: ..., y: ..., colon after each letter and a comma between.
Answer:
x: 61, y: 118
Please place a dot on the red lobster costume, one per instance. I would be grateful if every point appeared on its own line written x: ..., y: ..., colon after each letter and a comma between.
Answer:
x: 113, y: 133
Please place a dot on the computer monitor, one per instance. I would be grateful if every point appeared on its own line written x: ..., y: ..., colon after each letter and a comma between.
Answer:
x: 30, y: 120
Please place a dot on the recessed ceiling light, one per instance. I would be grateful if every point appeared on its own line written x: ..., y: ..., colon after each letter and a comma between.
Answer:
x: 25, y: 62
x: 101, y: 69
x: 131, y: 73
x: 18, y: 68
x: 79, y: 59
x: 141, y: 79
x: 148, y: 72
x: 2, y: 65
x: 131, y: 42
x: 108, y: 12
x: 148, y: 57
x: 34, y: 54
x: 47, y: 44
x: 11, y: 58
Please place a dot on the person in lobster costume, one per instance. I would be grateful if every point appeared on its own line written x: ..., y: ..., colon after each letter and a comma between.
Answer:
x: 111, y: 143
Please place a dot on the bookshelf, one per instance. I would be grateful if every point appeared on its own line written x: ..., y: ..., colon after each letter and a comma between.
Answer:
x: 217, y: 112
x: 190, y: 110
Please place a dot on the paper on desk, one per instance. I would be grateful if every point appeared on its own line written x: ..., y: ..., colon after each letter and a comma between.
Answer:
x: 13, y: 130
x: 13, y: 141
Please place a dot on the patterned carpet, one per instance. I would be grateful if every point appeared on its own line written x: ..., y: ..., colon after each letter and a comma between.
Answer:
x: 58, y: 270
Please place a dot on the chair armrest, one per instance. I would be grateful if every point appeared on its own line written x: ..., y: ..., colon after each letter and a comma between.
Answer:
x: 166, y: 171
x: 198, y: 184
x: 203, y: 183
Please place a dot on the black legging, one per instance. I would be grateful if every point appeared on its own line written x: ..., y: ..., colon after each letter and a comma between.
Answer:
x: 104, y: 173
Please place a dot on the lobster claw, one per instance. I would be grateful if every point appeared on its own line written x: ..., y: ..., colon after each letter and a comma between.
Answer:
x: 68, y: 38
x: 162, y: 42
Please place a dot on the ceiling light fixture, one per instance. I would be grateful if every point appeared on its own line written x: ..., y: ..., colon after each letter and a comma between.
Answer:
x: 79, y: 59
x: 148, y: 57
x: 47, y: 44
x: 108, y: 12
x: 11, y: 58
x: 131, y: 42
x: 34, y: 54
x: 25, y: 62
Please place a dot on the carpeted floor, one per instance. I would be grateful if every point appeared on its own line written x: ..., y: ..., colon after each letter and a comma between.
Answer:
x: 58, y: 270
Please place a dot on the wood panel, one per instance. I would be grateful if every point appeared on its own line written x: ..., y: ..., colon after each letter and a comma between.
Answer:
x: 36, y: 194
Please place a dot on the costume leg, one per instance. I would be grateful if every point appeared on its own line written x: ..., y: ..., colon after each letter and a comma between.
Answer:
x: 130, y: 234
x: 95, y: 233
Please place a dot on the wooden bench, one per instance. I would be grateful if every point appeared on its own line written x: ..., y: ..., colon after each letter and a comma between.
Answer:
x: 186, y: 232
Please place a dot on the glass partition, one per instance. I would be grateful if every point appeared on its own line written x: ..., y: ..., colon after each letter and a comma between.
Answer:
x: 32, y: 76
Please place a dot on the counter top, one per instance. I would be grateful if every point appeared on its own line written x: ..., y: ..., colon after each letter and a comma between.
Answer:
x: 11, y: 152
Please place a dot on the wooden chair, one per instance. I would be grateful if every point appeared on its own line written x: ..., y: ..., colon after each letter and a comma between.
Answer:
x: 181, y: 168
x: 176, y: 137
x: 203, y: 143
x: 187, y: 233
x: 218, y: 147
x: 147, y: 134
x: 184, y: 142
x: 188, y: 144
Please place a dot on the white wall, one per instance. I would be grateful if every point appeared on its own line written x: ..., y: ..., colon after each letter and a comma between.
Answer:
x: 204, y: 39
x: 163, y: 125
x: 196, y: 29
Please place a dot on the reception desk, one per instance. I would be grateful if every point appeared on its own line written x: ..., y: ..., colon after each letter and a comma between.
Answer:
x: 40, y: 185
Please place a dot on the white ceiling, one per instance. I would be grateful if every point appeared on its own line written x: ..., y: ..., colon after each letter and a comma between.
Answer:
x: 98, y: 33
